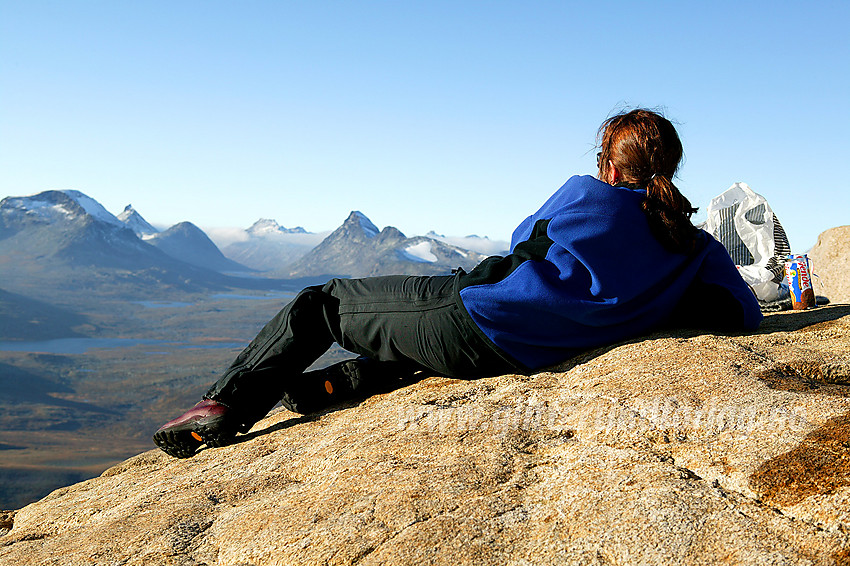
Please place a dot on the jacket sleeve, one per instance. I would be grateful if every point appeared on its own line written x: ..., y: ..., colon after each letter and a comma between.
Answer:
x: 718, y: 298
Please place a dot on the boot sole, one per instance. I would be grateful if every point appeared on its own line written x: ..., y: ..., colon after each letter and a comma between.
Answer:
x: 183, y: 440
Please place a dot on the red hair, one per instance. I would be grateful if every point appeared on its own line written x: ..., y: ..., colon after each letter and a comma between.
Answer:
x: 646, y: 150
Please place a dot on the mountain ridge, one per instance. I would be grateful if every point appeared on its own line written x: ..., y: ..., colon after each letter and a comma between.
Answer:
x: 359, y: 249
x: 64, y: 240
x: 265, y: 246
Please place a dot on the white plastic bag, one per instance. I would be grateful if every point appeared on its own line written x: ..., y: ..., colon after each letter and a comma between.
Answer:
x: 744, y: 223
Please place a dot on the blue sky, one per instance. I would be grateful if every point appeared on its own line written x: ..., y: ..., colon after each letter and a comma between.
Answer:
x: 456, y: 116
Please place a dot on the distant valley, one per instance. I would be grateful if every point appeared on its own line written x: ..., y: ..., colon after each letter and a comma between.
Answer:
x: 109, y: 327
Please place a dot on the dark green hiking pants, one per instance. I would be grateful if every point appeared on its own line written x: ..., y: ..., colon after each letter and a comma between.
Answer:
x: 398, y: 324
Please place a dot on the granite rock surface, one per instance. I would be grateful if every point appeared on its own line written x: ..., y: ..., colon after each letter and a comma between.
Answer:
x: 831, y: 264
x: 679, y: 448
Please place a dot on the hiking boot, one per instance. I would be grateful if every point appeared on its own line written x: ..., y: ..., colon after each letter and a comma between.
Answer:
x: 209, y: 422
x: 319, y: 389
x: 344, y: 381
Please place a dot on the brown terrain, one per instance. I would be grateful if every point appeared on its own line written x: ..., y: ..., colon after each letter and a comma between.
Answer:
x: 67, y: 417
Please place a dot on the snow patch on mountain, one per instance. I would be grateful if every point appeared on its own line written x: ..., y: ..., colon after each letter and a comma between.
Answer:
x: 93, y: 208
x: 420, y: 252
x: 35, y: 207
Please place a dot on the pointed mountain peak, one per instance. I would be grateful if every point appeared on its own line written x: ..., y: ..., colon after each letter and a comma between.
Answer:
x: 359, y: 220
x: 264, y: 226
x: 134, y: 221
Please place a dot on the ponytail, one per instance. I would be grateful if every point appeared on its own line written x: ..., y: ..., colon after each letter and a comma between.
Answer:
x: 669, y: 212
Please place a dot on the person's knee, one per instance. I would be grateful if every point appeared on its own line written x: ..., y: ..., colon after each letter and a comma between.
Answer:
x: 314, y: 309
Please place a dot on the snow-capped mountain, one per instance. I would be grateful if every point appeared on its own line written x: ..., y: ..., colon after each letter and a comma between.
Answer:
x: 266, y: 227
x: 67, y: 241
x: 65, y: 225
x: 187, y: 242
x: 359, y: 249
x: 54, y: 206
x: 134, y: 221
x: 268, y: 246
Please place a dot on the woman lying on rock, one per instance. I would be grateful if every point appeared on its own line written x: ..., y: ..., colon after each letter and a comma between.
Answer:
x: 603, y: 260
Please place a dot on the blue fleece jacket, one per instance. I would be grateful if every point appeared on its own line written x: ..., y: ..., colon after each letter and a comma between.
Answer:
x: 584, y: 271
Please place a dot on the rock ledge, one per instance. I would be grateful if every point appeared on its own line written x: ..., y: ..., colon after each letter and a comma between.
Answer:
x: 677, y: 449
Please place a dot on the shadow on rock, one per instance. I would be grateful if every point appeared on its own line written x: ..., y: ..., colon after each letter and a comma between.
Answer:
x: 789, y: 321
x: 276, y: 427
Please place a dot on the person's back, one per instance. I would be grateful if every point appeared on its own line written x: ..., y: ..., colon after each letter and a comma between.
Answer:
x: 586, y: 270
